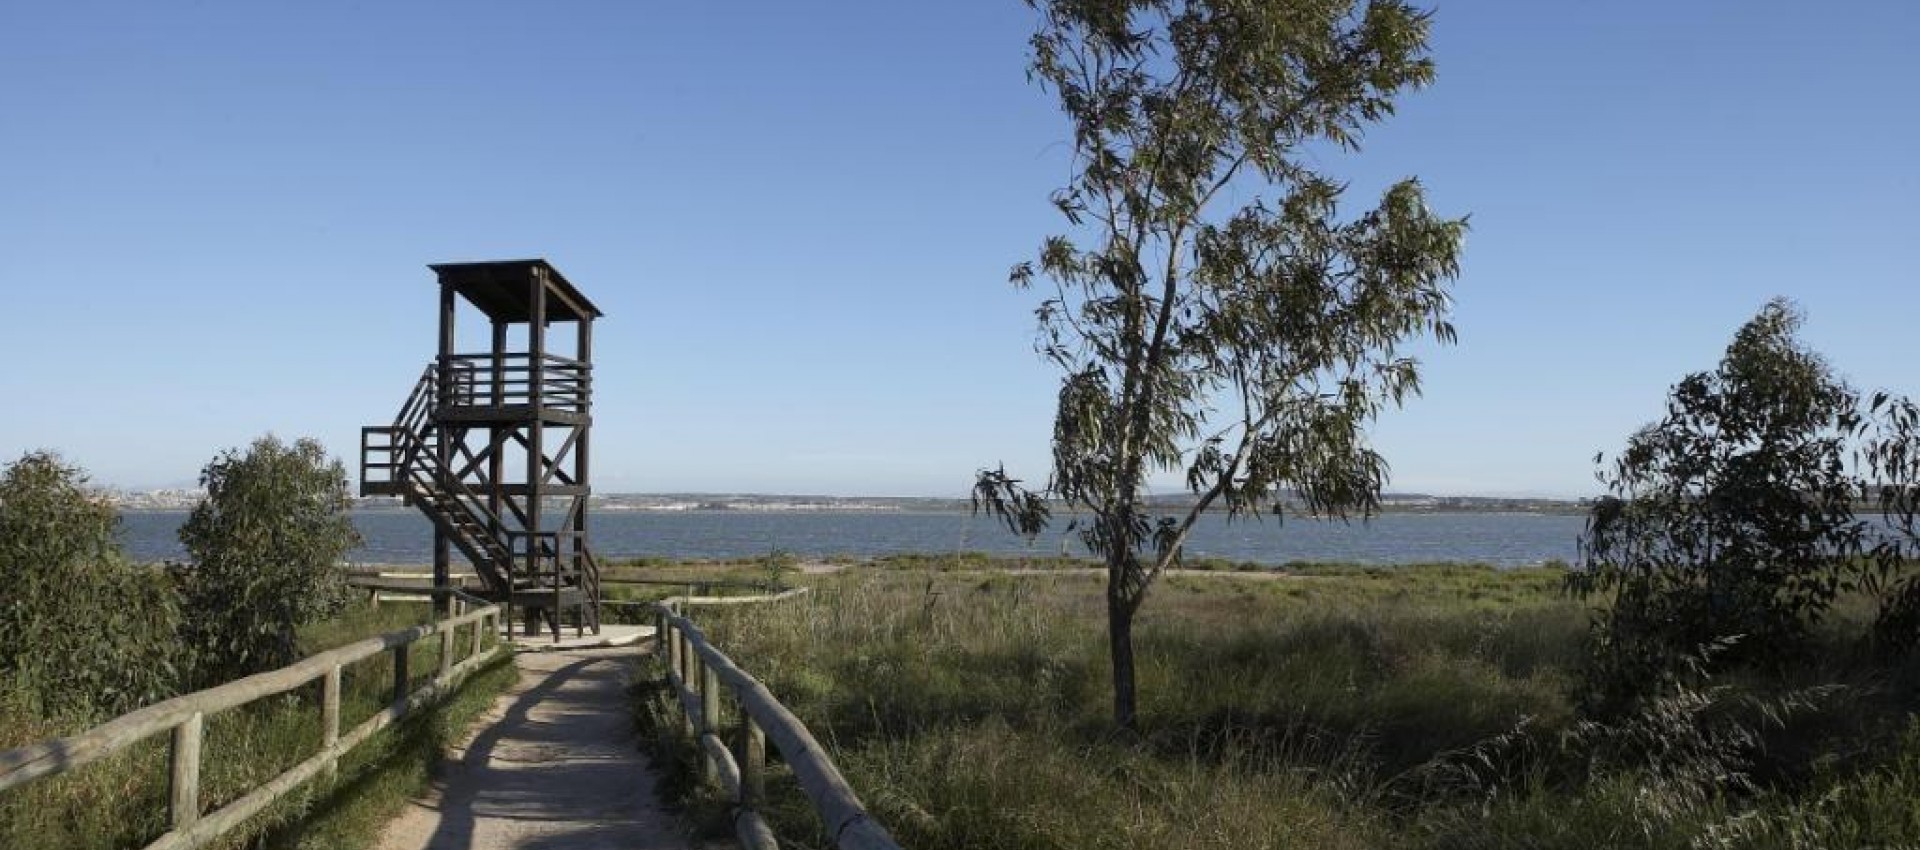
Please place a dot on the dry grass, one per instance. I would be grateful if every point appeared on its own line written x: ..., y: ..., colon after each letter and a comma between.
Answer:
x: 1344, y: 707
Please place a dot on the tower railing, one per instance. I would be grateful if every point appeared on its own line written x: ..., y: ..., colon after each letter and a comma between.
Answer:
x: 507, y: 380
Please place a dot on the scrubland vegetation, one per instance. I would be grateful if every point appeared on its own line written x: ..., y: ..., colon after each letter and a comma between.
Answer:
x: 86, y: 635
x: 1418, y: 707
x: 121, y: 801
x: 1731, y: 664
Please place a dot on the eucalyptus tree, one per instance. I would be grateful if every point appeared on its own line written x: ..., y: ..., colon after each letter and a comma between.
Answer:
x: 1214, y: 312
x: 266, y: 544
x: 1892, y: 466
x: 1732, y: 518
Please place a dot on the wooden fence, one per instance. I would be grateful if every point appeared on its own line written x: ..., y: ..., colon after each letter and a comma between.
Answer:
x: 185, y: 718
x: 702, y: 677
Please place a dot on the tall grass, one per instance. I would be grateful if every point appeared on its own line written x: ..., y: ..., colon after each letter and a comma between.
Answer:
x: 1334, y: 707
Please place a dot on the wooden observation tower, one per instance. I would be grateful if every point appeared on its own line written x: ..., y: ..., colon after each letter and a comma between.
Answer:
x: 492, y: 446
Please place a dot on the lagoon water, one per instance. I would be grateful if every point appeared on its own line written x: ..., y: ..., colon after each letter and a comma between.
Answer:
x: 1505, y: 539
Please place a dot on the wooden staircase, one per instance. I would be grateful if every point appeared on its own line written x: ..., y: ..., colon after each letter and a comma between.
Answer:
x: 404, y: 459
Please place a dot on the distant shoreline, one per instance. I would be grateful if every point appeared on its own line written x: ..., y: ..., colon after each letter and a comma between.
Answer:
x: 1570, y: 510
x: 705, y: 503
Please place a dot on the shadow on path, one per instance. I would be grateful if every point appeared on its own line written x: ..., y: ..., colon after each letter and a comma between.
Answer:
x: 552, y: 765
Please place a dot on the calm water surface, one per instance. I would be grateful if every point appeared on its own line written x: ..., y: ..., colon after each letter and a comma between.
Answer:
x: 394, y: 536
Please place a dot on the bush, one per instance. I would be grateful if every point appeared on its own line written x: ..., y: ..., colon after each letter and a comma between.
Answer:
x: 83, y: 633
x: 265, y: 545
x: 1730, y: 518
x: 1892, y: 455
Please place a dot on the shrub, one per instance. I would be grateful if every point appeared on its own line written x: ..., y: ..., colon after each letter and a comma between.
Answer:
x: 1892, y: 455
x: 265, y: 545
x: 83, y: 633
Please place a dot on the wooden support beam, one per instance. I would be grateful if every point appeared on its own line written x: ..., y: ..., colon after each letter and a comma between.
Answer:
x: 582, y: 472
x: 536, y: 461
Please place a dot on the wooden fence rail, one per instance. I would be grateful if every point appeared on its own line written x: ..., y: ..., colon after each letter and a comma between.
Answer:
x: 705, y: 585
x: 184, y: 717
x: 702, y: 677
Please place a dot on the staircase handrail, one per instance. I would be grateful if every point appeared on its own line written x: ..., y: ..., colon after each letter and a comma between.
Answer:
x: 419, y: 465
x: 414, y: 410
x: 462, y: 494
x: 413, y: 414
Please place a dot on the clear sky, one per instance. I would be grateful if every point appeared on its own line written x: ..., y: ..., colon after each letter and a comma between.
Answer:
x: 215, y: 219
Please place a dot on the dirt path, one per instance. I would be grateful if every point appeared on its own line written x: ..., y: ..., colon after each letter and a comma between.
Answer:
x: 552, y: 765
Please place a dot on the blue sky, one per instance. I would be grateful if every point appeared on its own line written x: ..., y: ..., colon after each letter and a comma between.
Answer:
x: 215, y: 219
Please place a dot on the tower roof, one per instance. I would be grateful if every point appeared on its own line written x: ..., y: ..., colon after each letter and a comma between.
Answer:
x: 502, y: 290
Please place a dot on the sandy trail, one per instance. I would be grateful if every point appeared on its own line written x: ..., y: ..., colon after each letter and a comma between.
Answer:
x: 551, y: 765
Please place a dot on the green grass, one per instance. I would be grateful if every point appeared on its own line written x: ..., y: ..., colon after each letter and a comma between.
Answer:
x: 626, y: 600
x: 975, y: 561
x: 1334, y: 706
x: 121, y: 801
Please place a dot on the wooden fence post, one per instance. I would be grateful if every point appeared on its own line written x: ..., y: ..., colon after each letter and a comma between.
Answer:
x: 400, y: 673
x: 709, y: 713
x: 330, y: 708
x: 709, y: 699
x: 686, y: 659
x: 689, y: 662
x: 660, y: 634
x: 750, y: 752
x: 689, y: 678
x: 446, y: 650
x: 186, y: 770
x: 671, y: 657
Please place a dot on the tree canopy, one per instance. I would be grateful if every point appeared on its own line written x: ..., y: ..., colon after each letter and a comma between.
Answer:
x: 1213, y: 310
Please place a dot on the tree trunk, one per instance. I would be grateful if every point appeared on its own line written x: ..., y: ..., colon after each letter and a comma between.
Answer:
x: 1120, y: 647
